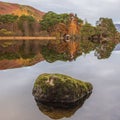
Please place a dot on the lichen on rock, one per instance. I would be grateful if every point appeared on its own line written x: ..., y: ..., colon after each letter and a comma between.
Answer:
x: 60, y: 90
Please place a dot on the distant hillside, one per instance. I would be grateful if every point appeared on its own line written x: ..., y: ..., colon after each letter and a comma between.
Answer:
x: 16, y: 9
x: 117, y: 27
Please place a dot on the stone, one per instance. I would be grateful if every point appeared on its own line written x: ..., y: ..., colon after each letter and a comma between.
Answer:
x: 60, y: 90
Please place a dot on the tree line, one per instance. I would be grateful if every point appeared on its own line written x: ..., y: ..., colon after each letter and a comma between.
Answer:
x: 13, y: 25
x: 53, y: 24
x: 104, y: 28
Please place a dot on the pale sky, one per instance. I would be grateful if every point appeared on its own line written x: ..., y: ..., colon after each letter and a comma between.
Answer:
x: 91, y: 10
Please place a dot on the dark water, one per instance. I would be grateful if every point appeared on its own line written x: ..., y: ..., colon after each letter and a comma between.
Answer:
x: 17, y: 102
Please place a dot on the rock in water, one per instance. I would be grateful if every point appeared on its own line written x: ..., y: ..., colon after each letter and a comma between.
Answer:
x: 60, y: 90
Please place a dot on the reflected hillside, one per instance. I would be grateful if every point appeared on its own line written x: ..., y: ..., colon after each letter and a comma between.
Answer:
x: 28, y: 52
x: 20, y: 53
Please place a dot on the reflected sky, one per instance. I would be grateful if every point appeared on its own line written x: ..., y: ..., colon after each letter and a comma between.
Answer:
x: 17, y: 102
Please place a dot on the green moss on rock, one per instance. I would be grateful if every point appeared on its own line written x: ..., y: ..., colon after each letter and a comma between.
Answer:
x: 59, y: 88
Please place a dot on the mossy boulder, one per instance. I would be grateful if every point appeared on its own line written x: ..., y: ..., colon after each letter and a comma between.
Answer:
x: 60, y: 90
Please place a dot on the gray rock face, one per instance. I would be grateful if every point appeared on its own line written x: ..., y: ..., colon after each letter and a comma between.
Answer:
x: 60, y: 90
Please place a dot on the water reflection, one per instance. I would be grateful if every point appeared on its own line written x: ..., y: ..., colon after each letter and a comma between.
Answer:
x: 24, y: 53
x: 17, y: 102
x: 59, y: 113
x: 104, y: 50
x: 70, y: 50
x: 20, y: 53
x: 63, y: 51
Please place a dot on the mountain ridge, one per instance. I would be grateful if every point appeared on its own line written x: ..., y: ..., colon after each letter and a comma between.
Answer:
x: 18, y: 9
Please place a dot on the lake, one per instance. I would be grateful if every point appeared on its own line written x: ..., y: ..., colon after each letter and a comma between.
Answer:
x: 103, y: 71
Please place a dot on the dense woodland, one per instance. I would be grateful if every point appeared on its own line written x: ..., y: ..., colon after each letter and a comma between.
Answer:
x: 53, y: 24
x: 12, y: 25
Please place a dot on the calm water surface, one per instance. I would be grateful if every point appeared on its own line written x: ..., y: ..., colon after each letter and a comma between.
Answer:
x: 17, y: 102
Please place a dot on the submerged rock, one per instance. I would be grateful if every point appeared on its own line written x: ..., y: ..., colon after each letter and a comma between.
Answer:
x: 60, y: 90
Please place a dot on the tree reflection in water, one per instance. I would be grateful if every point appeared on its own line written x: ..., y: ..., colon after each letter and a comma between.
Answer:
x: 72, y: 49
x: 25, y: 53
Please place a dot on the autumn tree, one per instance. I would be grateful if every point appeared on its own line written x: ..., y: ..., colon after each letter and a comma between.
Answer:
x: 106, y: 27
x: 87, y: 30
x: 51, y: 19
x: 25, y: 24
x: 8, y: 18
x: 8, y: 22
